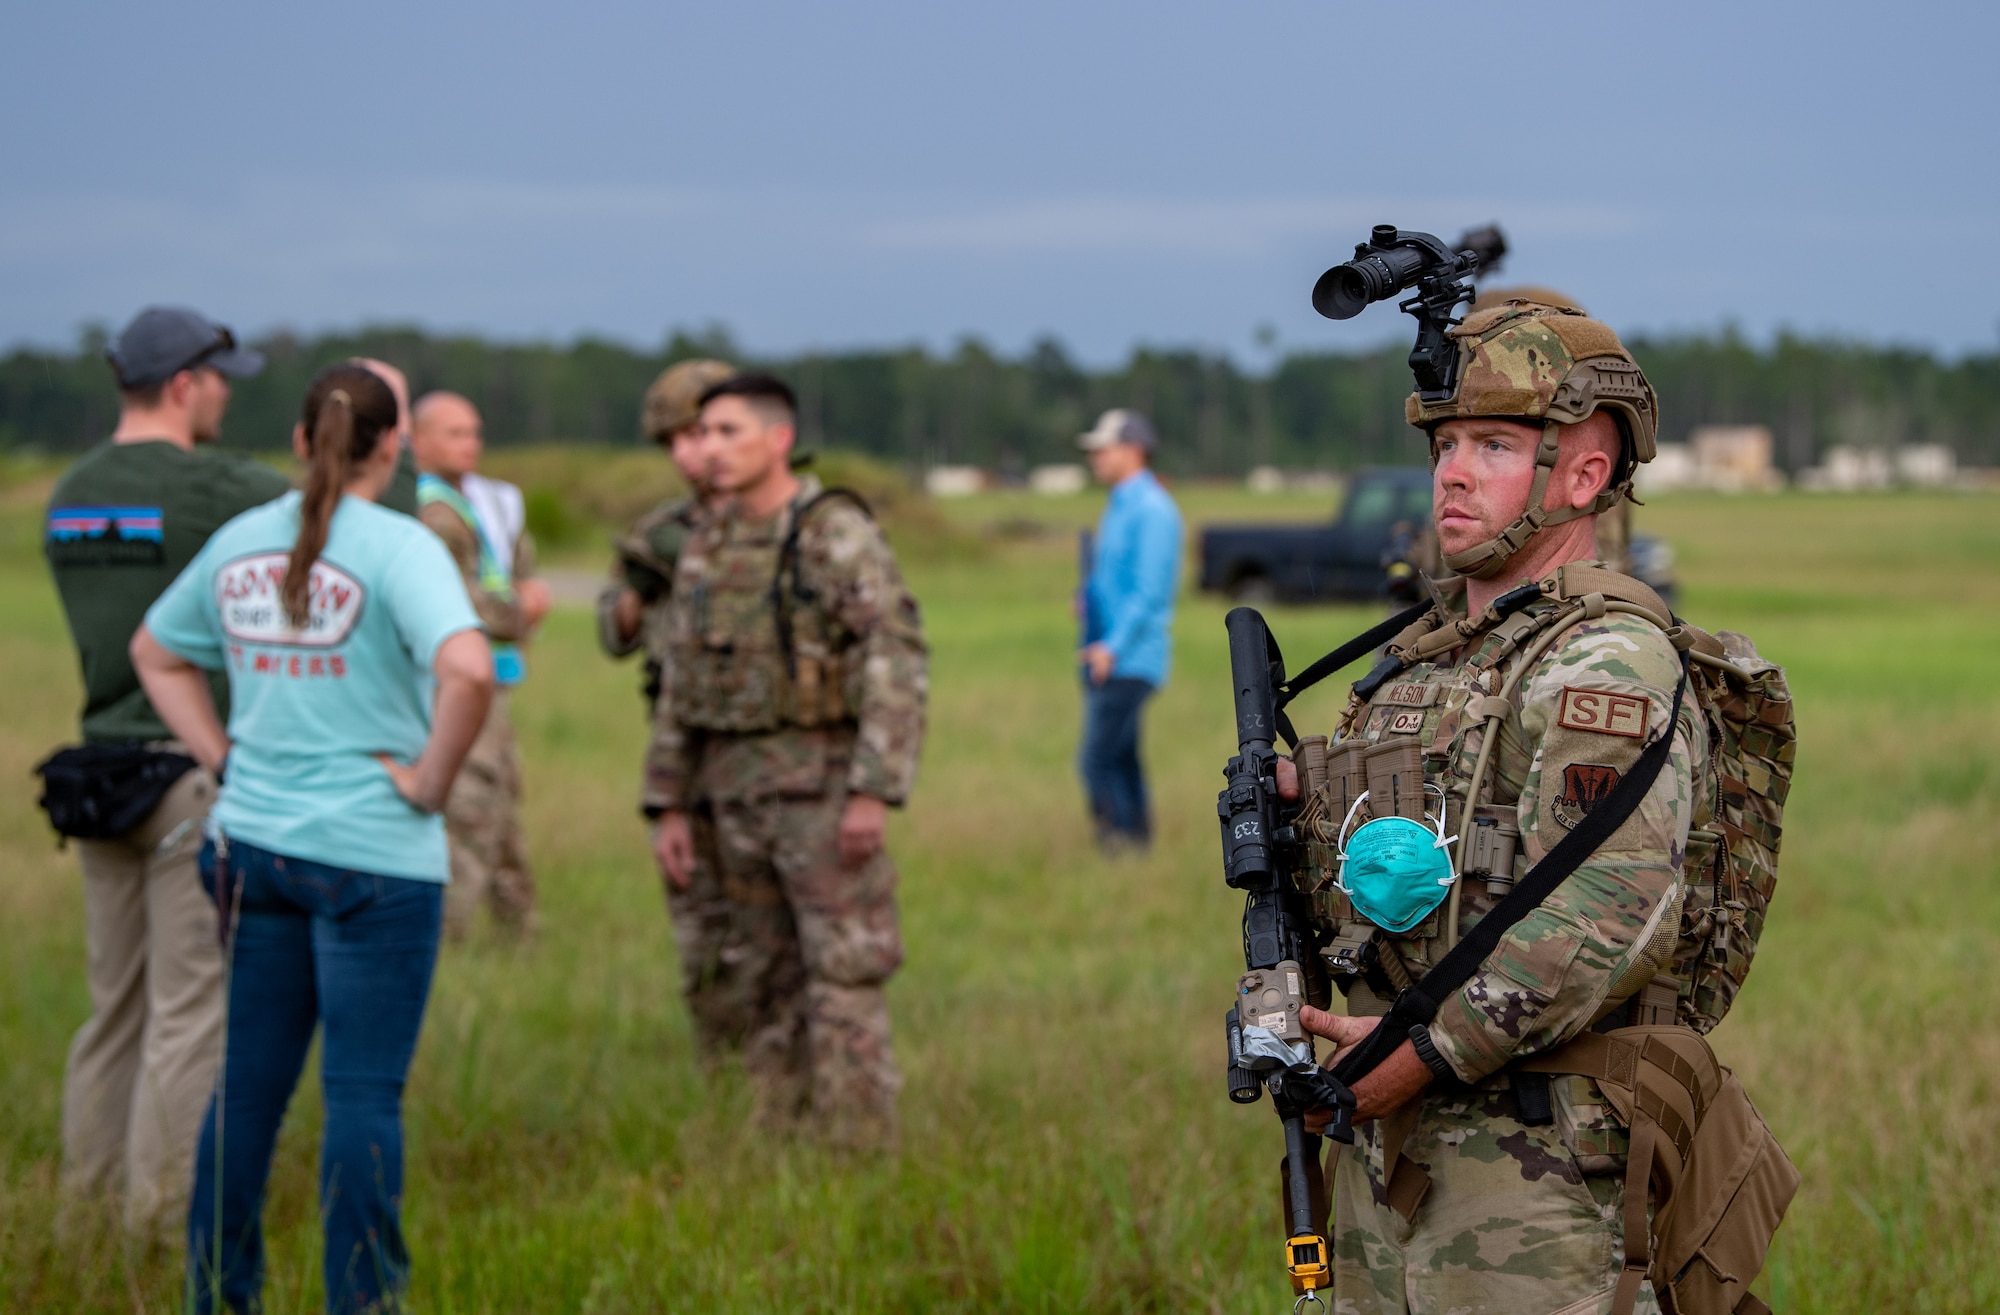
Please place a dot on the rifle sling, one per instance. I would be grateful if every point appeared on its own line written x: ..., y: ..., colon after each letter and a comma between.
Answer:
x: 1419, y: 1004
x: 1360, y: 645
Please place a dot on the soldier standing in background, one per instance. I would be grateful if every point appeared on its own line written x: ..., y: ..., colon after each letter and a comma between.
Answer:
x: 792, y: 715
x: 632, y: 615
x: 489, y: 859
x: 123, y: 520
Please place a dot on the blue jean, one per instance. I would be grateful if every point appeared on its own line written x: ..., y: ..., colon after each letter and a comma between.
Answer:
x: 1109, y: 759
x: 314, y: 946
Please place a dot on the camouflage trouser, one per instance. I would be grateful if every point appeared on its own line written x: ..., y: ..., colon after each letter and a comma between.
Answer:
x: 489, y: 860
x: 1510, y: 1225
x: 716, y: 982
x: 815, y: 941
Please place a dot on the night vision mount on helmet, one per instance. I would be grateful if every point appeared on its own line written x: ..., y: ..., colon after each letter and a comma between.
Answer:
x: 1519, y: 360
x: 1391, y: 262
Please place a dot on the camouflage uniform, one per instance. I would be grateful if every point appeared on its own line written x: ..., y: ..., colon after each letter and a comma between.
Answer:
x: 704, y: 930
x: 767, y: 751
x: 1520, y: 1213
x: 489, y: 857
x: 1516, y: 1213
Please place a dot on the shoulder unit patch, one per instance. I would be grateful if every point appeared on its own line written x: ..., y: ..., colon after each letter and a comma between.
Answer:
x: 1584, y: 785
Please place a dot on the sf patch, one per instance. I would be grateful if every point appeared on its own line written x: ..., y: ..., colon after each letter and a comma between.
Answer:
x: 1584, y: 786
x: 1602, y: 711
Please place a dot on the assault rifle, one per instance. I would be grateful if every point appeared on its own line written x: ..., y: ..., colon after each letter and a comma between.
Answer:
x: 1268, y: 1049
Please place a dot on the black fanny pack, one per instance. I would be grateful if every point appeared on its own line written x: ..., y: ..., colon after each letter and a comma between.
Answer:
x: 103, y: 791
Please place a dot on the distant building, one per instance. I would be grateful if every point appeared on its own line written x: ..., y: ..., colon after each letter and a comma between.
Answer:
x: 1270, y: 479
x: 1866, y: 469
x: 1926, y: 465
x: 1848, y: 470
x: 1729, y: 458
x: 1059, y: 480
x: 954, y: 481
x: 1735, y: 458
x: 1672, y: 467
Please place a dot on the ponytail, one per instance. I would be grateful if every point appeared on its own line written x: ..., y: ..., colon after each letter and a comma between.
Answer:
x: 348, y: 409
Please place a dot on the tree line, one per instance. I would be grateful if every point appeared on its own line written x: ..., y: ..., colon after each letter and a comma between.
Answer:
x: 917, y: 408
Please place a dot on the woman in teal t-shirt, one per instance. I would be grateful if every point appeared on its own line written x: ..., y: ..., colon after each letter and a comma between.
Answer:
x: 358, y: 678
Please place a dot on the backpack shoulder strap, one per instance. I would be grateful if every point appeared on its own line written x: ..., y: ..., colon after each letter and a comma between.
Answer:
x: 1580, y: 579
x: 782, y: 599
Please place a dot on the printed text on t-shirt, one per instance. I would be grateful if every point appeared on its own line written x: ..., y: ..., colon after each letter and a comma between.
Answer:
x: 248, y: 596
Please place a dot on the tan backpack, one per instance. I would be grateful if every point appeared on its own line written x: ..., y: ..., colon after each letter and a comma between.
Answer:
x: 1732, y: 855
x: 1701, y: 1149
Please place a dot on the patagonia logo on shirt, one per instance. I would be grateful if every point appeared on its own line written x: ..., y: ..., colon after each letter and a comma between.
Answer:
x: 249, y: 596
x: 106, y: 536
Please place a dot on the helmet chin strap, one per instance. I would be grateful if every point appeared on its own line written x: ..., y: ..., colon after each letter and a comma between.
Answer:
x: 1485, y: 560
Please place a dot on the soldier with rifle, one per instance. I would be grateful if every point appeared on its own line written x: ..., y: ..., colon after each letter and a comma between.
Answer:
x: 1516, y: 857
x: 631, y: 618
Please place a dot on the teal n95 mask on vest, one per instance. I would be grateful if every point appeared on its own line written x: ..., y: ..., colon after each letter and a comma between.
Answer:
x: 1395, y: 870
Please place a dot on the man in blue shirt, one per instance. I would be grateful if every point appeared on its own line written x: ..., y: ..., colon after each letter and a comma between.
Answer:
x: 1128, y: 608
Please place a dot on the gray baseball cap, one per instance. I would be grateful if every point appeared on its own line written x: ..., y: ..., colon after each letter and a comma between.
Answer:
x: 1119, y: 425
x: 164, y: 340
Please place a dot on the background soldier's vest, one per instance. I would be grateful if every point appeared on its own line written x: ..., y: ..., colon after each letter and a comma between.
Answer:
x: 751, y: 648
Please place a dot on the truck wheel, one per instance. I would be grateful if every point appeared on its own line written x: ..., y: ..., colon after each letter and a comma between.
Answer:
x: 1253, y: 590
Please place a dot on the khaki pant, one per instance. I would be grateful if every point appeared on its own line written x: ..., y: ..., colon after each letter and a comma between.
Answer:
x: 141, y: 1069
x: 814, y: 941
x: 489, y: 859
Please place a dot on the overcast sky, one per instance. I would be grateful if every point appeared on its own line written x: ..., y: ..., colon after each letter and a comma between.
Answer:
x: 833, y: 175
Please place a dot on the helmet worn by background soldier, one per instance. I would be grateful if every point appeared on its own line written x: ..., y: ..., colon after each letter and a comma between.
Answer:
x: 1525, y: 361
x: 673, y: 402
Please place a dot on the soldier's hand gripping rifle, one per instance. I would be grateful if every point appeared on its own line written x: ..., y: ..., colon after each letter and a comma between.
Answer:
x: 1268, y: 1049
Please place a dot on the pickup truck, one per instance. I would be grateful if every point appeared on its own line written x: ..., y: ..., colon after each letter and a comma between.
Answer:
x: 1374, y: 548
x: 1380, y: 524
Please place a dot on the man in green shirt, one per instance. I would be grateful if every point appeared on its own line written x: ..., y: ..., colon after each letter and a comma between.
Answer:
x: 123, y: 521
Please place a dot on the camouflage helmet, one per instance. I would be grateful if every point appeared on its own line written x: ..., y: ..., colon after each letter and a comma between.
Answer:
x: 1526, y: 360
x: 674, y: 401
x: 1490, y: 297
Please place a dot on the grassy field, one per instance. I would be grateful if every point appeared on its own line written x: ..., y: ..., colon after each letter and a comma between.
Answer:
x: 1068, y: 1145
